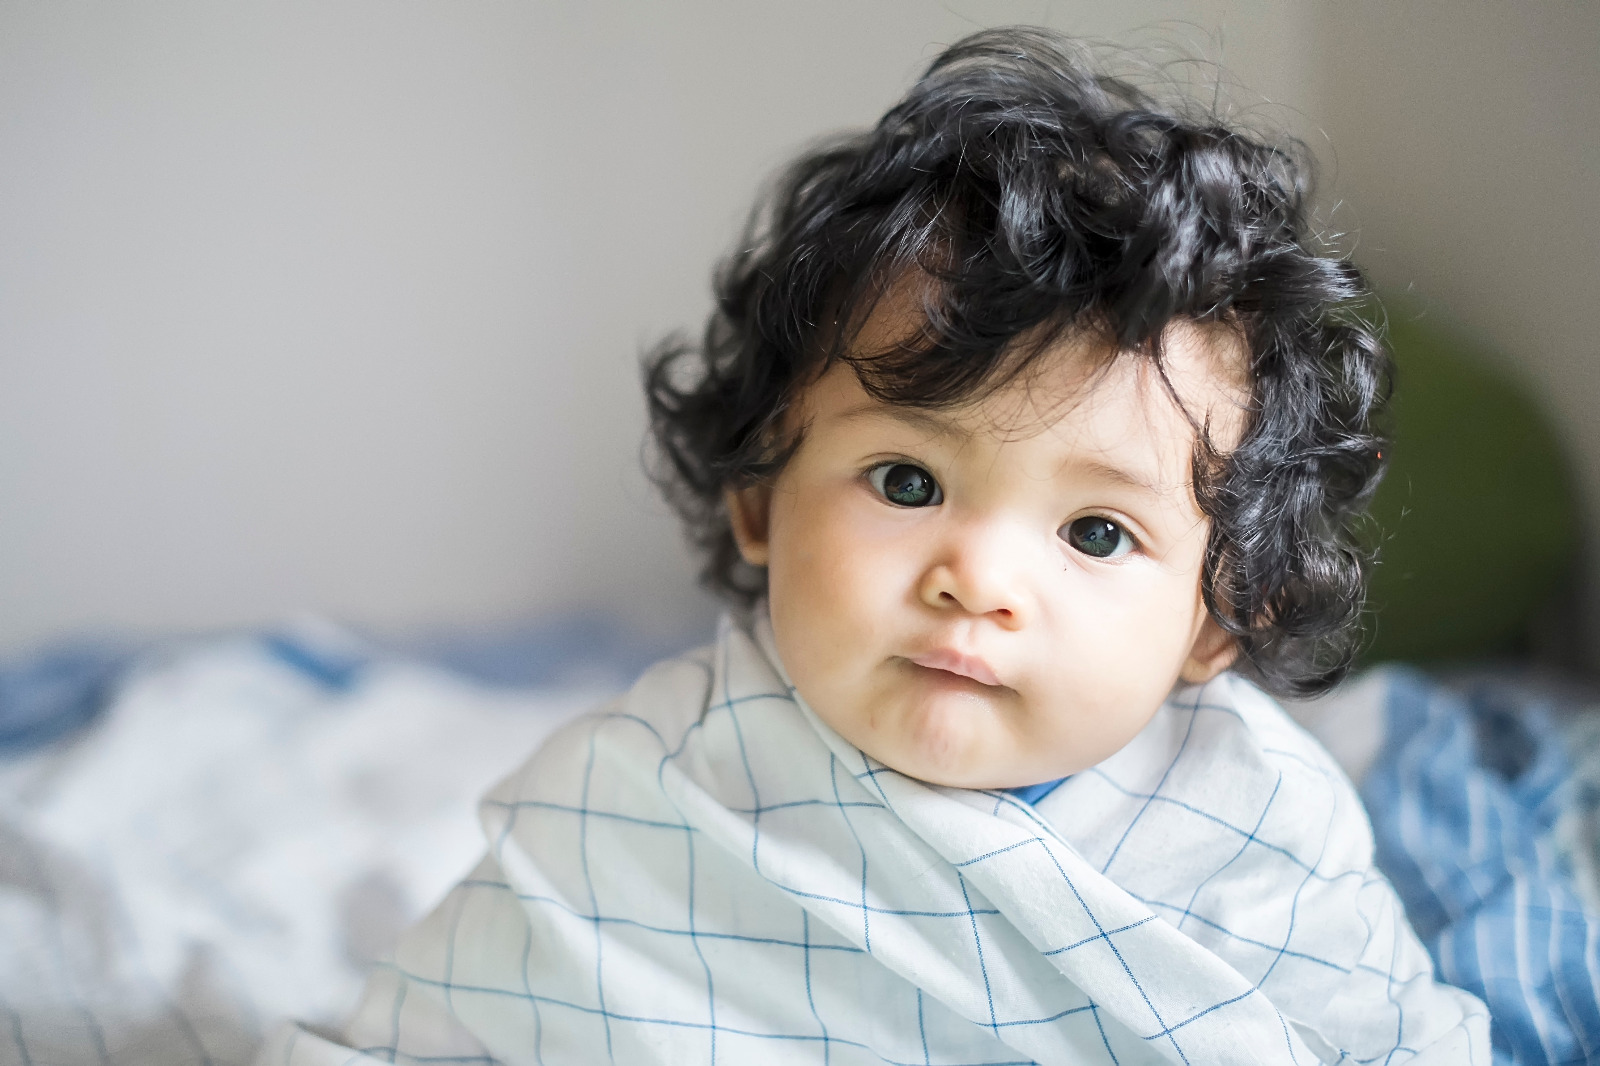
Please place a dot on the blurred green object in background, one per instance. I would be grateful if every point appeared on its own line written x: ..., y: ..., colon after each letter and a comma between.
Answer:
x: 1477, y: 517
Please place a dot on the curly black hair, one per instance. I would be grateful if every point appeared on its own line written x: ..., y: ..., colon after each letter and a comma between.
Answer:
x: 1043, y: 198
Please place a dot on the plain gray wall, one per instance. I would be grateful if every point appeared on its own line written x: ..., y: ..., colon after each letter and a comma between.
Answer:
x: 338, y: 307
x: 1465, y: 140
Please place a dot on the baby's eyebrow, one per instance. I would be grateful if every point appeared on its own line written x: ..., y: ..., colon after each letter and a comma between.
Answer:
x: 1127, y: 478
x: 930, y: 422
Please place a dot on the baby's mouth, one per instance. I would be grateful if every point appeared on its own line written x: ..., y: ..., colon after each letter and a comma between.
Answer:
x: 953, y: 662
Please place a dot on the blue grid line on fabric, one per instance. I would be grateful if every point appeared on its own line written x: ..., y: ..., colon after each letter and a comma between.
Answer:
x: 399, y: 1004
x: 755, y: 859
x: 393, y: 1051
x: 1388, y: 1056
x: 594, y: 902
x: 529, y: 897
x: 977, y: 942
x: 587, y: 812
x: 728, y: 705
x: 1244, y: 845
x: 1288, y: 1041
x: 633, y: 719
x: 356, y: 1056
x: 1263, y: 945
x: 497, y: 849
x: 803, y: 1038
x: 1152, y: 797
x: 999, y: 851
x: 922, y: 1029
x: 1127, y: 830
x: 1202, y: 1012
x: 790, y: 804
x: 671, y: 755
x: 1388, y: 992
x: 450, y: 945
x: 1041, y: 826
x: 1099, y: 936
x: 694, y: 939
x: 890, y: 912
x: 1201, y: 703
x: 871, y: 772
x: 866, y: 914
x: 1100, y: 1028
x: 1295, y: 756
x: 1294, y: 901
x: 527, y: 986
x: 1056, y: 1017
x: 870, y: 777
x: 811, y: 1001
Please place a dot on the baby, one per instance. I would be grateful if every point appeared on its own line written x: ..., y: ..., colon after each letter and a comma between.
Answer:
x: 1022, y: 418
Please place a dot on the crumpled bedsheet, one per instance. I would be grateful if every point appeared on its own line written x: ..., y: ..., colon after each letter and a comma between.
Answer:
x: 238, y: 836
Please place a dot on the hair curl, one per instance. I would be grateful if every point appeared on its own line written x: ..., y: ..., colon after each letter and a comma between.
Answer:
x: 1044, y: 198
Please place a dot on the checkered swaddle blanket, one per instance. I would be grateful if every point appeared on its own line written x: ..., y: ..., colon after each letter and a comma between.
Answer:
x: 706, y: 873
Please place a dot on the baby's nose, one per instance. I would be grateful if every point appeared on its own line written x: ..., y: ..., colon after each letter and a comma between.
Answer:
x: 984, y: 572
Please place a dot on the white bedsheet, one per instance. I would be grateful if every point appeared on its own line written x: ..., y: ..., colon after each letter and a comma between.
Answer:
x: 232, y: 843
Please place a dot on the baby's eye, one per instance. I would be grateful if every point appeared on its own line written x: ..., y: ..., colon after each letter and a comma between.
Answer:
x: 905, y: 485
x: 1098, y: 537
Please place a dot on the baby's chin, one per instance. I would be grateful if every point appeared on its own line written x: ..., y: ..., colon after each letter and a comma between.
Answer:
x: 956, y: 738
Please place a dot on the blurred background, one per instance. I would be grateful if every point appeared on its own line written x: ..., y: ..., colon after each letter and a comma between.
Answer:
x: 337, y: 308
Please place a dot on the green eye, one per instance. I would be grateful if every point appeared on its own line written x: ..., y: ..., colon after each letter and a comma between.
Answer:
x: 905, y: 485
x: 1097, y: 537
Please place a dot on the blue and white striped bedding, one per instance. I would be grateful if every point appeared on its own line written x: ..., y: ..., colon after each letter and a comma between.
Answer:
x: 1483, y: 824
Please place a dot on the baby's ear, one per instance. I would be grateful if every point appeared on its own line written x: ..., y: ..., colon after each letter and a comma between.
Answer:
x: 1213, y: 651
x: 749, y: 513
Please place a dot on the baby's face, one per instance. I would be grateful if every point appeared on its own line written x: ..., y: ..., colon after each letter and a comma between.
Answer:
x: 1002, y: 594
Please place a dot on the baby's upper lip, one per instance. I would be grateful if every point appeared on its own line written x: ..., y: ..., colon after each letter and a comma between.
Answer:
x: 952, y: 661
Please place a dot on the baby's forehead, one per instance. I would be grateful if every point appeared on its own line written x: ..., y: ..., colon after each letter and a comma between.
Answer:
x: 1059, y: 358
x: 1078, y: 382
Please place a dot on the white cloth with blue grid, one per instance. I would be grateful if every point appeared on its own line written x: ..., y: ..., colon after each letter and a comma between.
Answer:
x: 704, y: 872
